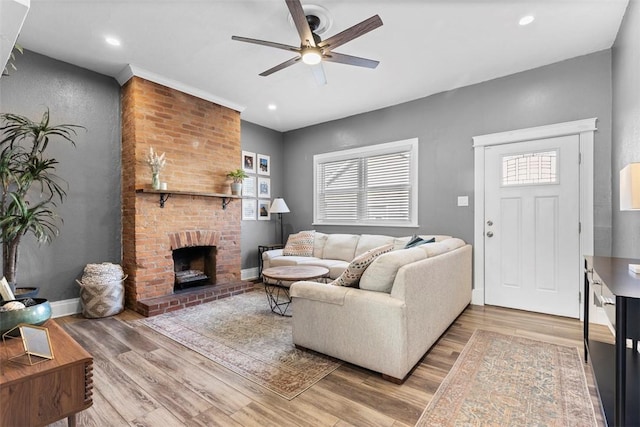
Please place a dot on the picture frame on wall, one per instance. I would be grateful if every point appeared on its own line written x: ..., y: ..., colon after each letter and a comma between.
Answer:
x: 249, y: 161
x: 263, y: 210
x: 249, y: 187
x: 248, y: 209
x: 264, y: 187
x: 264, y: 164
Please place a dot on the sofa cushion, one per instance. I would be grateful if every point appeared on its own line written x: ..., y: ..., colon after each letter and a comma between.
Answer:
x: 300, y: 244
x: 370, y: 241
x: 351, y: 276
x: 382, y: 272
x: 291, y: 260
x: 335, y: 266
x: 400, y: 242
x: 417, y: 241
x: 340, y: 246
x: 441, y: 247
x: 319, y: 239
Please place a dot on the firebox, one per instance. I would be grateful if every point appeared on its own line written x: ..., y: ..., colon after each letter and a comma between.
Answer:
x: 194, y: 266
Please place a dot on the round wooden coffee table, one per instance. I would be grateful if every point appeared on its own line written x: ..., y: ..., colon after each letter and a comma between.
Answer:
x: 282, y: 277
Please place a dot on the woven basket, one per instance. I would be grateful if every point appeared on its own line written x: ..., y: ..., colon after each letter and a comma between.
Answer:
x: 102, y: 290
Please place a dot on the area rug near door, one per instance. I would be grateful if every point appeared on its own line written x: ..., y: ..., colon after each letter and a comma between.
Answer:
x: 242, y: 334
x: 505, y: 380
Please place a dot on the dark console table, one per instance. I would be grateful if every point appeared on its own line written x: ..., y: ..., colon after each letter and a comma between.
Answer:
x: 616, y: 367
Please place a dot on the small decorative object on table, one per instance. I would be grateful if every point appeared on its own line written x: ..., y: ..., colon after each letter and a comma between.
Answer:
x: 33, y: 311
x: 36, y: 344
x: 156, y: 163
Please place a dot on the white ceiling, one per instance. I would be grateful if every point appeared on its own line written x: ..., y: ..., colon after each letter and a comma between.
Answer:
x: 424, y: 47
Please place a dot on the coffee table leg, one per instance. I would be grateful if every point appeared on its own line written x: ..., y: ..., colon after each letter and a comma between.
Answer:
x: 274, y: 293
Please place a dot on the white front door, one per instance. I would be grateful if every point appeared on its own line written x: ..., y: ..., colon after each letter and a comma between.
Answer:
x: 531, y: 227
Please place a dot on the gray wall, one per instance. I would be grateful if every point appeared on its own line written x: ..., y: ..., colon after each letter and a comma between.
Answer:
x: 445, y: 123
x: 626, y: 127
x: 92, y: 228
x: 261, y: 140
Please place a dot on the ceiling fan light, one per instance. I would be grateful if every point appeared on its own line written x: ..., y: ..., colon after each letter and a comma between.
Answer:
x: 526, y: 20
x: 311, y: 56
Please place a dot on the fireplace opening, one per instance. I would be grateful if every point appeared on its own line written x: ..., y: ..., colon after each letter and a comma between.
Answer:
x: 194, y: 266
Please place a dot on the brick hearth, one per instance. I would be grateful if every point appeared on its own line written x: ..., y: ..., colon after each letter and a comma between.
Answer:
x: 191, y: 297
x: 202, y: 143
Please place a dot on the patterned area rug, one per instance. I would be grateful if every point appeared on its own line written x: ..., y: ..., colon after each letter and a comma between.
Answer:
x: 242, y: 334
x: 504, y: 380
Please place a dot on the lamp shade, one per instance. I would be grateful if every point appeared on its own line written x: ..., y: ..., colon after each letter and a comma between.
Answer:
x: 279, y: 206
x: 630, y: 187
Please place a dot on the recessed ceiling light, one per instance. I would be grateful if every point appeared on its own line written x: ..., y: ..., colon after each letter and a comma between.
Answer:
x: 272, y: 107
x: 112, y: 41
x: 526, y: 20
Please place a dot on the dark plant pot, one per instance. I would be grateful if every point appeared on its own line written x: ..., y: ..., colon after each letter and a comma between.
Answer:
x: 34, y: 315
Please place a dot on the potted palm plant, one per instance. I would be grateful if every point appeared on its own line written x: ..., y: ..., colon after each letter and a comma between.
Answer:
x: 30, y: 190
x: 237, y: 176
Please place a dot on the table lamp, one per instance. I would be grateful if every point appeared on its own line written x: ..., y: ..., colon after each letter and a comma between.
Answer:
x: 630, y: 195
x: 630, y: 187
x: 279, y: 206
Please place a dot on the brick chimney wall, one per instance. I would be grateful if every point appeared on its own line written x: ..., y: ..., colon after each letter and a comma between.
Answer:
x: 202, y: 143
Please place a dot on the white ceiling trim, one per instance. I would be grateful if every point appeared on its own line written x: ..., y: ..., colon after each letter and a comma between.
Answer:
x: 131, y: 70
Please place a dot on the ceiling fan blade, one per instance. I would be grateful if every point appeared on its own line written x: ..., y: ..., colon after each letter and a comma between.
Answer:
x: 318, y: 74
x: 341, y: 58
x: 300, y: 19
x: 351, y: 33
x: 279, y: 67
x: 266, y: 43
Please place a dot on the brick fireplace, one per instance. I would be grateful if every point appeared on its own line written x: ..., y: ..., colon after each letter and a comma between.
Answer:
x: 202, y: 143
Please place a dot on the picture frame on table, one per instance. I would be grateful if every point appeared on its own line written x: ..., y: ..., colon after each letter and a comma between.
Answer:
x: 248, y: 161
x: 36, y: 344
x: 263, y: 210
x: 248, y: 209
x: 264, y: 187
x: 264, y: 164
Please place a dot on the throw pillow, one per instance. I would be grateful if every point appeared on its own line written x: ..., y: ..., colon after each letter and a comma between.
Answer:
x: 351, y: 276
x: 300, y: 244
x: 417, y: 241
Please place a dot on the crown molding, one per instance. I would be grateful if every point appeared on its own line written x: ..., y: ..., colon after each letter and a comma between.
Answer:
x: 539, y: 132
x: 131, y: 70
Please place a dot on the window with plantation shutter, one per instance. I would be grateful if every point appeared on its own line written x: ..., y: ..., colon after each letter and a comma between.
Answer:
x: 374, y: 185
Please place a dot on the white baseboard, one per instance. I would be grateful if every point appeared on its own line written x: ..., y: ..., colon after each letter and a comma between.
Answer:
x: 477, y: 296
x: 249, y: 273
x: 72, y: 306
x: 65, y: 307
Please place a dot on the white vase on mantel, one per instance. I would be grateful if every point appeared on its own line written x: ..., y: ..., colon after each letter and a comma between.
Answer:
x: 155, y: 181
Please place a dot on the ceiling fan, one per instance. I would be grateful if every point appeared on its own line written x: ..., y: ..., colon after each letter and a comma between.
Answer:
x: 313, y: 50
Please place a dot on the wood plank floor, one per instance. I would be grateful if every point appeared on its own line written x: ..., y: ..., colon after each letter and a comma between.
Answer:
x: 142, y: 378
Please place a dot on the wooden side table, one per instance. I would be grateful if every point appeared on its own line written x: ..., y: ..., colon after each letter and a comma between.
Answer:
x: 49, y: 391
x: 282, y: 277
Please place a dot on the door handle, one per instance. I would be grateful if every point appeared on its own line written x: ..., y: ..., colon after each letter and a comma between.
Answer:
x: 489, y: 223
x: 489, y: 233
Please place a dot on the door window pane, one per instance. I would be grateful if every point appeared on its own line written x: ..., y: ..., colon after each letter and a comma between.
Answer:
x: 530, y: 168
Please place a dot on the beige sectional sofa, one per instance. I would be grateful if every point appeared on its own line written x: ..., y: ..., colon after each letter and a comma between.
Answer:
x: 335, y: 251
x: 405, y: 301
